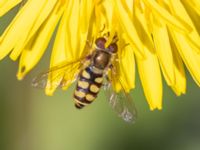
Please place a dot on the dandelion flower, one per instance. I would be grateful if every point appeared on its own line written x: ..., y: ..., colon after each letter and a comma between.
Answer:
x: 161, y: 36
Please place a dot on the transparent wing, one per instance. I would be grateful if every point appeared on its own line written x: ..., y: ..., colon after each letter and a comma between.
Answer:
x: 121, y: 102
x: 61, y: 75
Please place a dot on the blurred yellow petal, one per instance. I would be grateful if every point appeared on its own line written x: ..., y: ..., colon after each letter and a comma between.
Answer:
x: 18, y: 30
x: 42, y: 16
x: 195, y: 4
x: 6, y: 5
x: 36, y: 46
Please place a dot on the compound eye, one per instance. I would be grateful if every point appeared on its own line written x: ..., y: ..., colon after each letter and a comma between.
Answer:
x: 113, y: 48
x: 100, y: 42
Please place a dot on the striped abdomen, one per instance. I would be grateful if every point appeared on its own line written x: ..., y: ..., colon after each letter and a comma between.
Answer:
x: 87, y: 88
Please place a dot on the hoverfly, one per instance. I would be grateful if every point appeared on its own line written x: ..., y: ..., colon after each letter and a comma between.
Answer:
x: 91, y: 77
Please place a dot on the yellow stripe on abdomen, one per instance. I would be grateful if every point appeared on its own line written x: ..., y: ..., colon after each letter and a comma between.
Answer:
x: 83, y: 84
x: 80, y: 94
x: 94, y: 88
x: 90, y: 97
x: 99, y: 80
x: 85, y: 74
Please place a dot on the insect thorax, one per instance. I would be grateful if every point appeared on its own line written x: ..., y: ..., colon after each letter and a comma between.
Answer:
x: 101, y: 59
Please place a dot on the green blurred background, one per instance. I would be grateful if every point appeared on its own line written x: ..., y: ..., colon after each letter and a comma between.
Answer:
x: 29, y: 120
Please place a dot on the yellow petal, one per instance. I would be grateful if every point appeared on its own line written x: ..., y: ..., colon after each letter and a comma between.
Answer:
x: 73, y: 26
x: 193, y: 15
x: 178, y: 10
x: 143, y: 24
x: 189, y: 56
x: 86, y: 10
x: 36, y: 47
x: 42, y: 16
x: 58, y: 55
x: 128, y: 27
x: 6, y: 5
x: 127, y: 69
x: 124, y: 66
x: 180, y: 79
x: 164, y: 51
x: 195, y: 4
x: 170, y: 20
x: 18, y: 30
x: 150, y: 77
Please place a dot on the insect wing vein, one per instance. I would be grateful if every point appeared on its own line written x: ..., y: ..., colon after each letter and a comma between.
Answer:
x: 121, y: 102
x: 59, y: 76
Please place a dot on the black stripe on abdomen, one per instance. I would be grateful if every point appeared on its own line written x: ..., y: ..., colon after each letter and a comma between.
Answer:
x: 87, y: 88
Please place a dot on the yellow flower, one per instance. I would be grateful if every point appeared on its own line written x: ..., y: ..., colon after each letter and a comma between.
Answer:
x: 160, y: 35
